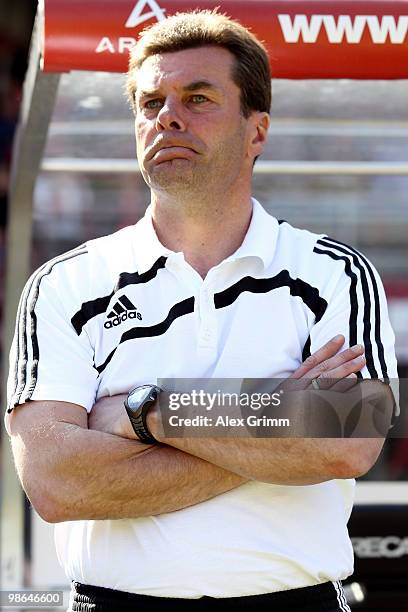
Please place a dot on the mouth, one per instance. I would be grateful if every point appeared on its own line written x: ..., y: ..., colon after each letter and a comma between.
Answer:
x: 176, y: 147
x: 170, y: 153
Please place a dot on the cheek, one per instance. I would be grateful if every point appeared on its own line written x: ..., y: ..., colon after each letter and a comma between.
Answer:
x: 142, y: 133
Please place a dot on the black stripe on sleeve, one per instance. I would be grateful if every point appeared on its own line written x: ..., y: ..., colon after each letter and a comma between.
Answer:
x: 178, y: 310
x: 98, y: 306
x: 19, y: 334
x: 353, y: 294
x: 377, y: 309
x: 33, y: 316
x: 326, y: 242
x: 309, y: 295
x: 27, y: 326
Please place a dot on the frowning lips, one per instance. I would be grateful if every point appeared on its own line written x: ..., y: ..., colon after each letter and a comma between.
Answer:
x: 169, y: 143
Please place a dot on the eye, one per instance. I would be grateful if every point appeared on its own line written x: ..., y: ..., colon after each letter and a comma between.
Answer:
x: 199, y: 98
x: 153, y: 104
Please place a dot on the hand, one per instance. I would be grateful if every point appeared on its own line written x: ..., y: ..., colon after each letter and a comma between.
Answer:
x: 335, y: 370
x: 368, y: 412
x: 109, y: 415
x: 328, y: 365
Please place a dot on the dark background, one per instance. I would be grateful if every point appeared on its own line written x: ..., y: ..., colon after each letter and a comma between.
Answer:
x: 16, y: 23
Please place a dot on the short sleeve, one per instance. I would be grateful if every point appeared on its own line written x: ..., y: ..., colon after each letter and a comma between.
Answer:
x: 48, y: 360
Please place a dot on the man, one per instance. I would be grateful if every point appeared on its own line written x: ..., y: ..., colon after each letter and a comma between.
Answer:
x: 206, y: 285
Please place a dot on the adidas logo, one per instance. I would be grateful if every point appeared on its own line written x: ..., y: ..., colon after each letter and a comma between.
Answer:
x: 121, y: 311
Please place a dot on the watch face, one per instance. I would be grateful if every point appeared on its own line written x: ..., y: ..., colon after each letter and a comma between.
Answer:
x: 139, y: 396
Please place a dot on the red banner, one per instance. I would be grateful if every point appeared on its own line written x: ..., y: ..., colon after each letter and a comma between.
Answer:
x: 305, y: 40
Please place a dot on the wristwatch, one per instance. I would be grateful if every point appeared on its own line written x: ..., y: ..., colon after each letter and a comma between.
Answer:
x: 137, y: 405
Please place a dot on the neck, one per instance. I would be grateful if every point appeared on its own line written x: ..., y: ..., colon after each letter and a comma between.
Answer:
x: 206, y: 230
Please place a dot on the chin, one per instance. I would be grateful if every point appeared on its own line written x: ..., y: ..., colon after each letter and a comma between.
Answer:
x: 172, y: 177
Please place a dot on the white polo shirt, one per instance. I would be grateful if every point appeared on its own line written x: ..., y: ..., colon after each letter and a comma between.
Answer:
x: 122, y: 310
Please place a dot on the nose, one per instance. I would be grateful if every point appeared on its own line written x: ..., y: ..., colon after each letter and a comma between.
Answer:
x: 170, y: 116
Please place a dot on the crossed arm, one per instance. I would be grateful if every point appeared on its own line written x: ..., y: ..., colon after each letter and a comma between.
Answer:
x: 70, y: 472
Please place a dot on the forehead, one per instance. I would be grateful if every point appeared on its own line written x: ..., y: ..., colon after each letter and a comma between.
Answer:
x: 177, y: 69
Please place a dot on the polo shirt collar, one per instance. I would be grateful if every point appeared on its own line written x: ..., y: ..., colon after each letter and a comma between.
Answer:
x: 261, y: 237
x: 148, y: 248
x: 259, y: 242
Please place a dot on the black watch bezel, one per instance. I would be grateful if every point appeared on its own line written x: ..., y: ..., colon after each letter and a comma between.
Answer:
x: 137, y: 411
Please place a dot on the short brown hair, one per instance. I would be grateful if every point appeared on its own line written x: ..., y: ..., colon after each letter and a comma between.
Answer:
x: 200, y: 28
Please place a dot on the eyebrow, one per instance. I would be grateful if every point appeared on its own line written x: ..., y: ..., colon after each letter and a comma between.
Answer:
x: 193, y: 86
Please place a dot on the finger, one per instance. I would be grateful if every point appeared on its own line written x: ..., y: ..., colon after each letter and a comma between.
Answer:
x: 328, y: 378
x: 325, y: 352
x: 295, y: 384
x: 340, y: 365
x: 338, y: 385
x: 342, y: 386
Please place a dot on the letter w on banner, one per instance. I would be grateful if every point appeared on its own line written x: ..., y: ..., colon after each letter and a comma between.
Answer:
x: 344, y: 28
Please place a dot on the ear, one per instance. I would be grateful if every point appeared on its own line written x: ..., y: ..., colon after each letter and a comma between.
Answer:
x: 259, y: 133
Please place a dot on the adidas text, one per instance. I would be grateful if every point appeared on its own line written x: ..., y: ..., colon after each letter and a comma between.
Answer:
x: 115, y: 321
